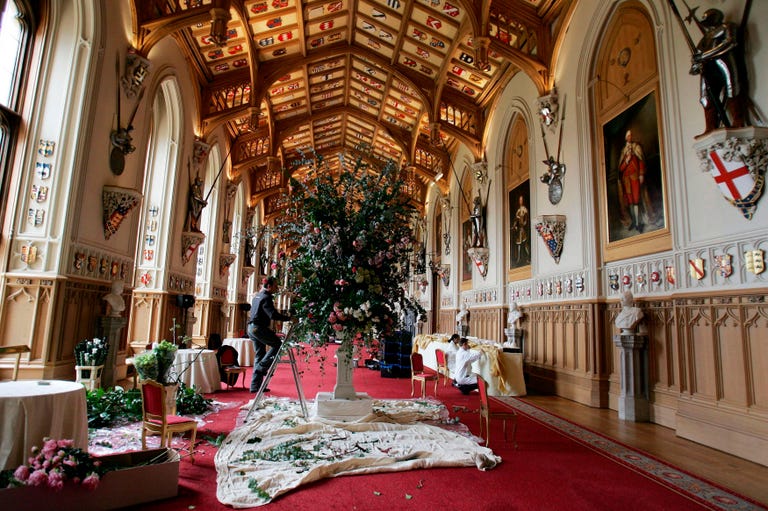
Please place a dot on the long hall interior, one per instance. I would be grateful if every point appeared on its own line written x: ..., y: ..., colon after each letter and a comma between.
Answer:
x: 584, y: 182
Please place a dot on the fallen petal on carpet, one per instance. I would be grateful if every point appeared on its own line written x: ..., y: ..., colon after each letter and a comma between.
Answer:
x: 279, y: 450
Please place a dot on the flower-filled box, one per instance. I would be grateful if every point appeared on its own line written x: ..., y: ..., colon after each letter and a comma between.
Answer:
x: 133, y: 478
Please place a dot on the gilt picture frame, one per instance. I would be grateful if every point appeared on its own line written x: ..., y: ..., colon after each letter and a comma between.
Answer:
x: 519, y: 203
x: 634, y: 219
x: 466, y: 244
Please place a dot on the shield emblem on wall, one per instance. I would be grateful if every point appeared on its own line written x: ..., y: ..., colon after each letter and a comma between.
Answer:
x: 754, y: 261
x: 696, y: 267
x: 738, y: 168
x: 724, y: 266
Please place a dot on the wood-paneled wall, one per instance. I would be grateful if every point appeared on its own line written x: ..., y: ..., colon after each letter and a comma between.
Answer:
x: 708, y: 363
x: 50, y: 316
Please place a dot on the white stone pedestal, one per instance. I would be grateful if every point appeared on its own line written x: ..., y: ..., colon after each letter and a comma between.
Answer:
x: 633, y: 401
x: 327, y: 407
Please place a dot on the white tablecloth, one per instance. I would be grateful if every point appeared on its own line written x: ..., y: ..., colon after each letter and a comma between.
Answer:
x: 198, y: 368
x: 31, y: 410
x: 507, y: 380
x: 244, y: 347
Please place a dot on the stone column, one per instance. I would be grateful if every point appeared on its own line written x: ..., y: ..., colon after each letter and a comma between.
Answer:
x: 110, y: 330
x: 633, y: 402
x: 344, y: 388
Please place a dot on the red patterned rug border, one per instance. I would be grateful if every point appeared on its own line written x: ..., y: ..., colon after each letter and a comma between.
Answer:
x: 702, y: 491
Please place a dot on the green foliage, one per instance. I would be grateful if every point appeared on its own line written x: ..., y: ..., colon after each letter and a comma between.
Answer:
x: 109, y: 407
x: 215, y: 441
x: 353, y: 242
x: 253, y: 485
x: 115, y: 406
x: 191, y: 402
x: 156, y: 363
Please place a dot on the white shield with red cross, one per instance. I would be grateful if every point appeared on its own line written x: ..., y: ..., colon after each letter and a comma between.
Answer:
x: 732, y: 176
x: 738, y: 184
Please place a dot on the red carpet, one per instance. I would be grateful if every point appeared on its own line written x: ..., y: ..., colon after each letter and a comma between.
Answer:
x: 554, y: 467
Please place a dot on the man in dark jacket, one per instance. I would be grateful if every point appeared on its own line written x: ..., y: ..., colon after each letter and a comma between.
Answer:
x: 263, y: 312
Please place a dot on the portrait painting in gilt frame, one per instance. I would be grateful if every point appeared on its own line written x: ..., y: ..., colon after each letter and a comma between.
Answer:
x: 520, y: 225
x: 466, y: 244
x: 633, y: 201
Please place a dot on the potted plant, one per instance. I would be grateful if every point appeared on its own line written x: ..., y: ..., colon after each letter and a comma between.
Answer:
x: 156, y: 364
x: 90, y: 356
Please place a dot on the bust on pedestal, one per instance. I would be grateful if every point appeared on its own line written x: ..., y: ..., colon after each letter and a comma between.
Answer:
x: 513, y: 333
x: 111, y: 324
x: 114, y: 299
x: 633, y: 402
x: 462, y: 320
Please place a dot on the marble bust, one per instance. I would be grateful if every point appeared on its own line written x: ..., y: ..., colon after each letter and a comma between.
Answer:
x: 462, y: 320
x: 514, y: 315
x: 114, y: 299
x: 630, y: 315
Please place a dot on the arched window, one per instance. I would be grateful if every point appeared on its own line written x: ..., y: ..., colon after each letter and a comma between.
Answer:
x: 16, y: 30
x: 160, y: 186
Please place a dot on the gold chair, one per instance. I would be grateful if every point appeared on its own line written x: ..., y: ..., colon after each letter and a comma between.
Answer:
x: 486, y: 414
x: 419, y: 373
x: 157, y: 421
x: 442, y: 366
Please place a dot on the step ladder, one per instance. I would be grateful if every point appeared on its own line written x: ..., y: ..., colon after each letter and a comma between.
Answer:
x: 285, y: 348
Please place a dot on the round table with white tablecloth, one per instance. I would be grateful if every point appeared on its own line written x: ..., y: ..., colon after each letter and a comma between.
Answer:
x: 197, y: 368
x: 244, y: 347
x: 31, y: 410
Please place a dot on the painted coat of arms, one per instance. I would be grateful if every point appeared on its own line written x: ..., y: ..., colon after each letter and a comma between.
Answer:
x: 551, y: 228
x: 738, y: 168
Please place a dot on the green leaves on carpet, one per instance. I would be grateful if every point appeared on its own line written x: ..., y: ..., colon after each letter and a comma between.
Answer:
x: 215, y: 441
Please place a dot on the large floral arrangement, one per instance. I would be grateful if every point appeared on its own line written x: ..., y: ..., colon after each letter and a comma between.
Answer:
x: 350, y: 243
x: 91, y: 352
x: 53, y: 464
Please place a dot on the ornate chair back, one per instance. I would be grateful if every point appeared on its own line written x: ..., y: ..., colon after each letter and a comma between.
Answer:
x: 442, y: 365
x: 487, y: 413
x: 418, y: 373
x: 157, y: 421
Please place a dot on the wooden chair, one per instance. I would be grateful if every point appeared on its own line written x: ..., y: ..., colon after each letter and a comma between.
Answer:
x: 419, y: 373
x: 442, y: 366
x: 15, y: 350
x: 229, y: 368
x: 157, y: 421
x: 486, y: 414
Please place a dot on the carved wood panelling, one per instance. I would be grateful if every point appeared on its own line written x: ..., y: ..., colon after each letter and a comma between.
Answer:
x: 25, y: 306
x: 447, y: 321
x: 81, y: 307
x: 663, y: 348
x: 756, y: 343
x: 144, y: 324
x: 487, y: 324
x: 561, y: 337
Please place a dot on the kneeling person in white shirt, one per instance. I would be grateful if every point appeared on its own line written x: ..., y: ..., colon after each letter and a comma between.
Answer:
x: 465, y: 379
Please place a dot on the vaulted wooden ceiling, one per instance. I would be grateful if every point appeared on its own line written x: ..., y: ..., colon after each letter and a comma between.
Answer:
x: 407, y: 79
